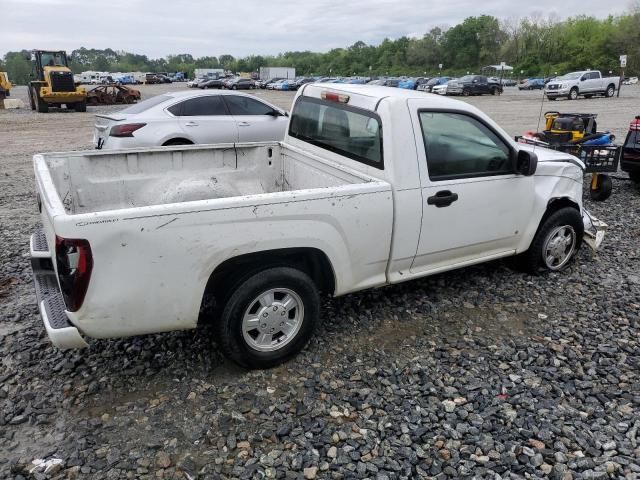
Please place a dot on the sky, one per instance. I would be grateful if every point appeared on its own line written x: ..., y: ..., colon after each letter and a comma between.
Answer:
x: 208, y: 27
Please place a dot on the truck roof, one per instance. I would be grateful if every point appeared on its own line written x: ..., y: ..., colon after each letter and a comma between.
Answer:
x: 371, y: 95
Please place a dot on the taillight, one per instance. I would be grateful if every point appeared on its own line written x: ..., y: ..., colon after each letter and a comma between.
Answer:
x: 635, y: 124
x: 74, y: 262
x: 335, y: 97
x: 125, y: 130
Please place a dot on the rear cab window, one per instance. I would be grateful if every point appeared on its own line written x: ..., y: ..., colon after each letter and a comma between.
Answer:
x: 348, y: 131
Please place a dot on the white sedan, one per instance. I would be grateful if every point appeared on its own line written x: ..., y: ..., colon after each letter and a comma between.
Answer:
x: 184, y: 118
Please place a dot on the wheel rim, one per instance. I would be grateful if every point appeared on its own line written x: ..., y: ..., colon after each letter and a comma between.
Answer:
x: 610, y: 92
x: 559, y: 247
x: 574, y: 94
x: 273, y: 319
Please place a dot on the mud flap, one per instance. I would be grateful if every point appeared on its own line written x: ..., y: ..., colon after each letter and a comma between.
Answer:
x: 594, y: 230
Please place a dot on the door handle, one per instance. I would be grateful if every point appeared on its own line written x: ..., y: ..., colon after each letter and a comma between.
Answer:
x: 443, y: 198
x: 244, y: 124
x: 191, y: 124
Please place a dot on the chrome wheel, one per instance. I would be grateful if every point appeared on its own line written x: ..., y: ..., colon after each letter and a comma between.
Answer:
x: 272, y: 319
x: 559, y: 247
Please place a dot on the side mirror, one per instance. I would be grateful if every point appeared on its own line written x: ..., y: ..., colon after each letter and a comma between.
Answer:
x: 274, y: 113
x: 526, y: 163
x: 583, y: 79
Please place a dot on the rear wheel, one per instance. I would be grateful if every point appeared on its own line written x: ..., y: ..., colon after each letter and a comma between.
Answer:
x: 634, y: 175
x: 610, y: 91
x: 557, y: 240
x: 269, y: 317
x: 603, y: 188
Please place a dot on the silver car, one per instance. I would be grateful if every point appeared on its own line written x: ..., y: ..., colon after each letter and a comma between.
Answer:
x: 184, y: 118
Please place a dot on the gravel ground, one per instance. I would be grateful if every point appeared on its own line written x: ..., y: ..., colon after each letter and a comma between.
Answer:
x: 482, y: 372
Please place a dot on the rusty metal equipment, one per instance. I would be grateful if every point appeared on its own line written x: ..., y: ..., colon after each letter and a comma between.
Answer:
x: 112, y: 95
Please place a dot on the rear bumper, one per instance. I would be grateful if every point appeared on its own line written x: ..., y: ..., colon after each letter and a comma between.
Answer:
x: 62, y: 333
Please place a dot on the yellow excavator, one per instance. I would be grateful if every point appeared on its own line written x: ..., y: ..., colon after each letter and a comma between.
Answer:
x: 5, y: 86
x: 53, y: 84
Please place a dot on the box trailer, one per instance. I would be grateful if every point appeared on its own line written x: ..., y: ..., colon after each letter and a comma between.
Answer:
x: 208, y: 72
x: 268, y: 73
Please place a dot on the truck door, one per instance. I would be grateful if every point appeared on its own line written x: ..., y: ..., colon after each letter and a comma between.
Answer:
x: 481, y: 85
x: 474, y: 207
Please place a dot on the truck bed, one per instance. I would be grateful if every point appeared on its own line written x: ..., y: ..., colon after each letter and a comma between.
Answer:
x: 88, y: 182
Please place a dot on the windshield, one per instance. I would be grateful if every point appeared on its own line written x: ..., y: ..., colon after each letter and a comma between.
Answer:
x: 53, y: 59
x: 570, y: 76
x: 147, y: 104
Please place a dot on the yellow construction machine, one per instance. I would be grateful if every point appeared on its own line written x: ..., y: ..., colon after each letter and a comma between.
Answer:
x: 5, y: 86
x: 53, y: 84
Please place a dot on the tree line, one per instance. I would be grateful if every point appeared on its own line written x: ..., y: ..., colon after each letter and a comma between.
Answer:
x: 535, y: 46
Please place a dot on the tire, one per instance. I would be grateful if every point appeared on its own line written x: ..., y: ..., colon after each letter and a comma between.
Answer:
x: 634, y: 175
x: 234, y: 87
x: 568, y: 218
x: 611, y: 90
x: 465, y: 93
x: 41, y: 105
x: 250, y: 347
x: 573, y: 94
x: 603, y: 189
x: 494, y: 91
x: 81, y: 106
x: 32, y: 100
x: 588, y: 96
x: 551, y: 99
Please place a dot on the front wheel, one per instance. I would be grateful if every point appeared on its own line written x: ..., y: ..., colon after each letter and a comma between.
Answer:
x: 466, y: 93
x: 573, y: 94
x: 269, y: 317
x: 557, y: 240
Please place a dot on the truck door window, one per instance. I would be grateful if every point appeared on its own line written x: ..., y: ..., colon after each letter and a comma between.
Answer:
x: 348, y: 131
x: 459, y: 146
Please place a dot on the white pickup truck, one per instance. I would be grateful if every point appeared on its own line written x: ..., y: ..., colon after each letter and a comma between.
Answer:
x: 587, y: 83
x: 371, y: 186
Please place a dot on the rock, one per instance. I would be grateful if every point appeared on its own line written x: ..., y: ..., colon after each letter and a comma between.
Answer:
x: 310, y: 473
x: 449, y: 405
x: 163, y: 460
x: 332, y: 452
x: 537, y: 444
